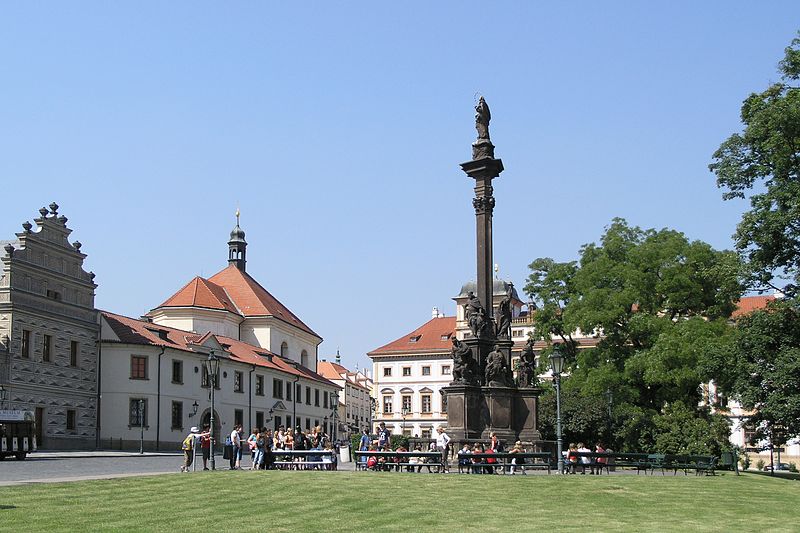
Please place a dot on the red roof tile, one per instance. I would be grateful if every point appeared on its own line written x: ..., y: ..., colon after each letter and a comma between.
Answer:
x: 199, y: 292
x: 748, y: 304
x: 237, y: 292
x: 133, y: 331
x: 434, y: 335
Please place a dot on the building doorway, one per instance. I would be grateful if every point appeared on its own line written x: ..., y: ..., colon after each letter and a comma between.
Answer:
x: 39, y: 419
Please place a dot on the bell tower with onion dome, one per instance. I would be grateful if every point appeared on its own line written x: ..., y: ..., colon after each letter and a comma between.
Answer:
x: 237, y: 246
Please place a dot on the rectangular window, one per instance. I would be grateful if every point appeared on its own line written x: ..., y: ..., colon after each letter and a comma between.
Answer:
x: 288, y: 392
x: 138, y: 367
x: 259, y: 385
x: 445, y: 370
x: 387, y: 404
x: 298, y: 392
x: 277, y: 422
x: 308, y: 423
x: 47, y: 347
x: 238, y: 378
x: 406, y: 371
x: 74, y: 348
x: 277, y: 388
x: 289, y: 421
x: 426, y: 371
x: 259, y: 419
x: 70, y: 419
x: 387, y: 372
x: 25, y: 350
x: 137, y: 412
x: 238, y: 416
x: 308, y: 395
x: 177, y: 415
x: 425, y: 433
x: 406, y: 403
x: 177, y: 373
x: 325, y: 400
x: 316, y: 398
x: 426, y: 403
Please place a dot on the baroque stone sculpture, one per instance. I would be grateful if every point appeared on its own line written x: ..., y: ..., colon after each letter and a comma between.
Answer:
x: 498, y: 373
x: 503, y: 313
x: 527, y: 366
x: 483, y: 147
x: 465, y: 368
x: 476, y: 317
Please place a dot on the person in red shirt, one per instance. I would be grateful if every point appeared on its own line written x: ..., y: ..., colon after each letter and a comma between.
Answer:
x: 205, y: 445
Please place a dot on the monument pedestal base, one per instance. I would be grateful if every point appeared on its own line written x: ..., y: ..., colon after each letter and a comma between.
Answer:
x: 475, y: 412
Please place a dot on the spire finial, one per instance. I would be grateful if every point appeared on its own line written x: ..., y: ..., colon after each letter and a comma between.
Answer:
x: 237, y: 216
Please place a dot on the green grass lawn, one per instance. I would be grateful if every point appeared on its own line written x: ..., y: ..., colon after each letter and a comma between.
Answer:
x: 348, y: 501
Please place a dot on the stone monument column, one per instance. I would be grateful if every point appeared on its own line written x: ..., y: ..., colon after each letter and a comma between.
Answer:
x: 483, y: 168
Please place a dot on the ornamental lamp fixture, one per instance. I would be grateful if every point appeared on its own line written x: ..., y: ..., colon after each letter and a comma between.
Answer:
x: 557, y: 360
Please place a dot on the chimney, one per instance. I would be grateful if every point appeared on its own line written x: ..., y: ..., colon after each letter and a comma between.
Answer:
x: 435, y: 313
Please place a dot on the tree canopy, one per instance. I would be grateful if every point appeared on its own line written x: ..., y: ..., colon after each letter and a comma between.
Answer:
x: 764, y: 162
x: 759, y: 366
x: 655, y: 301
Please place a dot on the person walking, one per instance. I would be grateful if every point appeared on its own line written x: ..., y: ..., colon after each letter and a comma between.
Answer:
x: 442, y: 445
x: 363, y: 446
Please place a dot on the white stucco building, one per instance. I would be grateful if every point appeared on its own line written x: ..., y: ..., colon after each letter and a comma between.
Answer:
x: 152, y: 370
x: 354, y: 411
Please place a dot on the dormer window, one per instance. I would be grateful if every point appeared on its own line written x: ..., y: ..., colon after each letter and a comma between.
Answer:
x: 415, y: 338
x: 446, y: 337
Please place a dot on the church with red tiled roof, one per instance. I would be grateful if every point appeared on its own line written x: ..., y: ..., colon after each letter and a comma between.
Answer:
x: 233, y: 304
x: 156, y: 371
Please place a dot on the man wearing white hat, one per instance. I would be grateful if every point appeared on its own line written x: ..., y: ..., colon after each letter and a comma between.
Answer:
x: 188, y: 447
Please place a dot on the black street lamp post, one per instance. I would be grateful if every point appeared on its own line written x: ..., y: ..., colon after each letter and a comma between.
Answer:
x: 557, y: 365
x: 609, y: 404
x: 212, y: 368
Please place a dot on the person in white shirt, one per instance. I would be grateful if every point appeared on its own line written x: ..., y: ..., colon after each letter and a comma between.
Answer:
x: 236, y: 447
x: 442, y: 442
x: 584, y: 459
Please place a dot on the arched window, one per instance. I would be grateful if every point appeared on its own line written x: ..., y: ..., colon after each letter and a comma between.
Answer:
x: 304, y: 358
x: 284, y: 349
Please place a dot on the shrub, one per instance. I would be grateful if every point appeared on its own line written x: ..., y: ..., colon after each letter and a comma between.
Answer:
x: 792, y: 467
x: 760, y: 464
x: 745, y: 461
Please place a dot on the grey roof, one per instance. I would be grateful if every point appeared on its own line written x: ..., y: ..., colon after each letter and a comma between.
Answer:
x: 499, y: 288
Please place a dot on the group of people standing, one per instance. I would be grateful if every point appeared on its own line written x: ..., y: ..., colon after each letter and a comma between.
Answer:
x: 264, y: 446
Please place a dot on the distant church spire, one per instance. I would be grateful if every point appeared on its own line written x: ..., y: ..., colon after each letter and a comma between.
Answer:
x: 237, y: 246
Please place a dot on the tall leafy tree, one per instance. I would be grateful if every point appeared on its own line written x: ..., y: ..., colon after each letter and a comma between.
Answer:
x: 655, y: 301
x: 760, y: 367
x: 763, y: 161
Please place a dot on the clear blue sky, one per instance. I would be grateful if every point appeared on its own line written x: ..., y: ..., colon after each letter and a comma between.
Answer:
x: 338, y: 129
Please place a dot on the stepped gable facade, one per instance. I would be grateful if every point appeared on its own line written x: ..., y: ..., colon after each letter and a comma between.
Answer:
x: 49, y: 332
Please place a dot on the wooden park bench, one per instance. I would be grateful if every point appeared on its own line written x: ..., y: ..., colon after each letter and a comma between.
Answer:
x: 505, y: 462
x: 400, y: 461
x: 639, y: 461
x: 303, y: 459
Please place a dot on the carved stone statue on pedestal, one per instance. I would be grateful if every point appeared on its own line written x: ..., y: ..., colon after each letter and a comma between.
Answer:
x: 498, y: 373
x: 476, y: 317
x: 527, y: 366
x: 483, y: 147
x: 465, y: 368
x: 503, y: 313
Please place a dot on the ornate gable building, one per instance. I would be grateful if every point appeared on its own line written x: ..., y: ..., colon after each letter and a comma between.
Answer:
x: 49, y: 332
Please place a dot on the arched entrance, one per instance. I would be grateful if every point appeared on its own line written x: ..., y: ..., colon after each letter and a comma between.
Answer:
x: 205, y: 420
